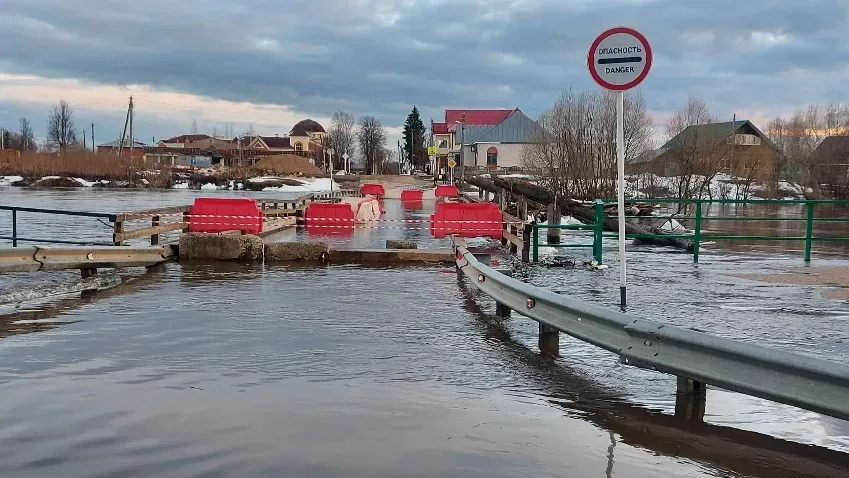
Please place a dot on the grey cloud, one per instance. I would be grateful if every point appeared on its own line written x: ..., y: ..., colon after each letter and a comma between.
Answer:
x: 378, y: 57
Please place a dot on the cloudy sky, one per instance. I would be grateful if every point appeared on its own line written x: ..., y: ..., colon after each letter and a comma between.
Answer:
x: 227, y: 64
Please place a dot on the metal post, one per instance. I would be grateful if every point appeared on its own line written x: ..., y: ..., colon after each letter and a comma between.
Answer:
x: 526, y: 242
x: 809, y: 230
x: 598, y: 230
x: 536, y: 243
x: 620, y: 166
x: 462, y: 152
x: 154, y: 238
x: 549, y: 340
x: 697, y: 234
x: 14, y: 228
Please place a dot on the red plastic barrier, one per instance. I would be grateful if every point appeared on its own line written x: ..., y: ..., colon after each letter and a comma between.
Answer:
x: 412, y: 195
x: 322, y: 215
x: 446, y: 191
x: 225, y: 214
x: 466, y: 220
x: 373, y: 189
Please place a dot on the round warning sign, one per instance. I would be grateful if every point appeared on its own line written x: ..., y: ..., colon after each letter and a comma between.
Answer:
x: 619, y: 59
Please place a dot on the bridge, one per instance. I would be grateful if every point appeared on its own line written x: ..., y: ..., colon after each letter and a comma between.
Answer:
x: 245, y: 230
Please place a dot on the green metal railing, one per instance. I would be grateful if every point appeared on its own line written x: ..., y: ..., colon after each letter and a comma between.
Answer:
x: 697, y: 236
x: 596, y: 228
x: 698, y: 217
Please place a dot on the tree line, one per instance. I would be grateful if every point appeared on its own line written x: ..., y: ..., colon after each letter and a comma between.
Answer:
x: 61, y: 133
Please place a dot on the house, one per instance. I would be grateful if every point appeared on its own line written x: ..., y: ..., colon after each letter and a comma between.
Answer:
x: 830, y: 163
x: 490, y: 139
x: 737, y: 148
x: 113, y: 147
x: 183, y: 141
x: 271, y: 143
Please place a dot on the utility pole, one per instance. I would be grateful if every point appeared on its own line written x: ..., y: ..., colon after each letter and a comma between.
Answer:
x: 124, y: 133
x: 132, y: 138
x: 93, y: 144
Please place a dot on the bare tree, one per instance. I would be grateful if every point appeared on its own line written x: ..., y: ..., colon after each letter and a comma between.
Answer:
x: 27, y: 137
x: 194, y: 126
x: 372, y: 141
x: 696, y: 157
x: 341, y: 137
x: 61, y: 132
x: 575, y: 153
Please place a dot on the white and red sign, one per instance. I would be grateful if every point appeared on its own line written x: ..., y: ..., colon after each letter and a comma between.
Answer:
x: 619, y: 59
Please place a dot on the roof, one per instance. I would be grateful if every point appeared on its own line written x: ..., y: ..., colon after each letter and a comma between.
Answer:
x: 305, y: 127
x: 440, y: 128
x: 832, y: 150
x: 477, y: 117
x: 646, y: 156
x: 712, y: 132
x: 516, y: 128
x: 186, y: 138
x: 115, y: 144
x: 277, y: 141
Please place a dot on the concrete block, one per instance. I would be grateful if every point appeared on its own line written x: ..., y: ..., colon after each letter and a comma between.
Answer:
x: 220, y: 247
x: 295, y: 251
x: 401, y: 244
x: 390, y: 256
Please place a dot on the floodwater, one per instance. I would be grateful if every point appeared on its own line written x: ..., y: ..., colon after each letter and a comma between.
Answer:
x: 252, y: 370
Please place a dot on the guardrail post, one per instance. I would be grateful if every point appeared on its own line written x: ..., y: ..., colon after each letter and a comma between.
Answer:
x: 526, y: 242
x: 154, y: 238
x: 697, y: 233
x: 598, y: 230
x: 536, y: 243
x: 549, y: 340
x: 809, y: 230
x: 686, y: 385
x: 14, y: 228
x: 515, y: 231
x: 690, y: 406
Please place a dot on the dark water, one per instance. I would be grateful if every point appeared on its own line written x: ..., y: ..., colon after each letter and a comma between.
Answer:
x: 251, y: 370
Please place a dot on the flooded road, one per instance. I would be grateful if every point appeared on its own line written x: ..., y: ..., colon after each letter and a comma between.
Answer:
x: 251, y: 370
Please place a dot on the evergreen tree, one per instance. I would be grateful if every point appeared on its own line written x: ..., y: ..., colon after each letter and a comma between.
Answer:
x: 414, y: 143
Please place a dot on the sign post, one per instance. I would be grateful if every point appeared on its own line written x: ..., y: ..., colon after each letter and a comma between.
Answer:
x: 620, y: 59
x: 345, y: 164
x: 451, y: 164
x: 330, y: 167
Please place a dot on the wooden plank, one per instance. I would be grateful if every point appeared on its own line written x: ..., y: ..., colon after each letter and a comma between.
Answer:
x: 149, y: 231
x: 513, y: 239
x: 162, y: 211
x: 511, y: 219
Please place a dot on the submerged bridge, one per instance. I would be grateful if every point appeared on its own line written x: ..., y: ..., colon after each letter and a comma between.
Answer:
x: 244, y: 229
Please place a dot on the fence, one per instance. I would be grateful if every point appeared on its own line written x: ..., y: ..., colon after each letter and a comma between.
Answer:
x: 698, y: 217
x: 697, y: 235
x: 15, y: 238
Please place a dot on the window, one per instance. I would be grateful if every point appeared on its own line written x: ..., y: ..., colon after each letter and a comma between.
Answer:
x: 443, y: 143
x: 299, y: 146
x: 492, y: 158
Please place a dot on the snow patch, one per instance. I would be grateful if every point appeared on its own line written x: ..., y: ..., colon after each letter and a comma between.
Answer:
x: 8, y: 180
x: 209, y: 187
x: 180, y: 186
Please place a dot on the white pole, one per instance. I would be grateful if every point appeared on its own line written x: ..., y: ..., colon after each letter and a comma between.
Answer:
x: 330, y: 154
x: 620, y: 165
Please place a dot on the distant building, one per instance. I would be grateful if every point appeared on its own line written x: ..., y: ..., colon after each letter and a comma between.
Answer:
x: 737, y: 148
x: 183, y: 141
x: 491, y: 138
x: 137, y: 148
x: 830, y: 164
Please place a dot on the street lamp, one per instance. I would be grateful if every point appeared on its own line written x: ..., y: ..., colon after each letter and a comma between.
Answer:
x: 462, y: 123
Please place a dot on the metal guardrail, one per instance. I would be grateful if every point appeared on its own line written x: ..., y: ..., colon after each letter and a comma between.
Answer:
x: 15, y: 238
x: 813, y: 384
x: 49, y: 258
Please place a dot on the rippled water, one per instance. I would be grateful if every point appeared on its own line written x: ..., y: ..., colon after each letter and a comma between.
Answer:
x: 251, y: 370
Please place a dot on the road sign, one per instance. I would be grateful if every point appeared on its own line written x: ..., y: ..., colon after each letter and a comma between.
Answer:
x: 452, y: 163
x: 619, y: 59
x: 432, y: 150
x: 345, y: 156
